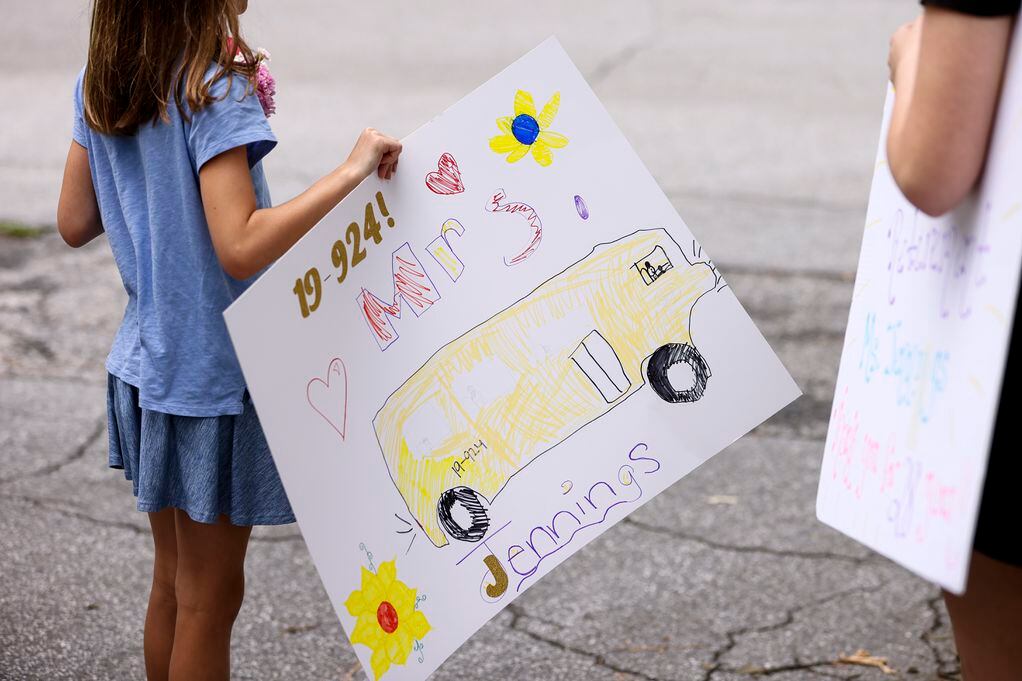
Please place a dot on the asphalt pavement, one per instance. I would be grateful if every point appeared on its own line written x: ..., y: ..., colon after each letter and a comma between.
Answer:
x: 760, y: 121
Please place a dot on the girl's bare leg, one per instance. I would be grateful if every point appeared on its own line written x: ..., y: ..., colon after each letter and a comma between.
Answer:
x: 161, y: 615
x: 210, y: 586
x: 988, y: 621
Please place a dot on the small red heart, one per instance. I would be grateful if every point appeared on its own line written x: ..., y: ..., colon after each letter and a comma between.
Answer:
x: 331, y: 401
x: 447, y: 177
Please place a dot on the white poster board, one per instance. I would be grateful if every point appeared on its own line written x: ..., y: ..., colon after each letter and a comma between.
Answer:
x: 468, y: 372
x: 920, y: 378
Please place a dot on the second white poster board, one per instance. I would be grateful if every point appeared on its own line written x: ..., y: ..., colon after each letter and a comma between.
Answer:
x: 921, y: 370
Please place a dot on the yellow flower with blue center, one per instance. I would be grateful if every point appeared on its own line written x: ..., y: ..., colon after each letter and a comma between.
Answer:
x: 387, y: 619
x: 528, y: 131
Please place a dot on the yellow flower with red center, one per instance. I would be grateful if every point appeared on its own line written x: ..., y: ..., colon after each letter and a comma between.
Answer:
x: 387, y: 619
x: 528, y: 131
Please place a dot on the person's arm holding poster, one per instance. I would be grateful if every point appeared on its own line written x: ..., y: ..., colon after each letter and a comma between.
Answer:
x: 947, y: 67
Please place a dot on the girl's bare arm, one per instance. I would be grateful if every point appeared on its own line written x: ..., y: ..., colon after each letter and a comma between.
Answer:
x: 946, y: 68
x: 247, y: 238
x: 78, y: 219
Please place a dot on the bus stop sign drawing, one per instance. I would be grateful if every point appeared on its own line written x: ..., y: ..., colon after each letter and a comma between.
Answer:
x: 510, y: 389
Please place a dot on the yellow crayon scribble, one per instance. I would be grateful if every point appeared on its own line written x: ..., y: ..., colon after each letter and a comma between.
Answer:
x: 862, y: 286
x: 492, y: 400
x: 1008, y: 214
x: 440, y: 249
x: 449, y: 262
x: 997, y: 314
x: 873, y: 223
x: 975, y: 383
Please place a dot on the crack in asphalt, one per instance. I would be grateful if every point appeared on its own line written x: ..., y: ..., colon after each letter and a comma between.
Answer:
x: 301, y: 628
x: 946, y: 669
x: 45, y: 287
x: 68, y: 510
x: 77, y: 453
x: 761, y: 200
x: 517, y: 614
x: 63, y: 509
x: 733, y: 635
x: 784, y: 273
x: 732, y: 638
x: 813, y: 667
x: 739, y: 548
x: 628, y: 52
x: 36, y: 378
x: 35, y: 284
x: 28, y: 344
x: 278, y: 540
x: 806, y: 336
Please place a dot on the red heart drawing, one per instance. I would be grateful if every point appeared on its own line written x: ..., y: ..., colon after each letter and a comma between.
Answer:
x: 447, y: 177
x: 330, y: 399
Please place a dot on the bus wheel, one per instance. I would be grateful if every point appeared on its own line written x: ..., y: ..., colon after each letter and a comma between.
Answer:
x: 469, y: 505
x: 667, y: 356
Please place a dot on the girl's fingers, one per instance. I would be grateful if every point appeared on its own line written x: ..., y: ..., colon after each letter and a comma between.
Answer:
x: 390, y: 158
x: 388, y: 149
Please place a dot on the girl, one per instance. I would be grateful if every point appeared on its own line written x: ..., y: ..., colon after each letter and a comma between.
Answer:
x: 169, y: 136
x: 947, y: 68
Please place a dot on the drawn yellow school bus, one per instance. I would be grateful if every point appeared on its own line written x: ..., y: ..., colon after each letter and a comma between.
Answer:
x: 493, y: 400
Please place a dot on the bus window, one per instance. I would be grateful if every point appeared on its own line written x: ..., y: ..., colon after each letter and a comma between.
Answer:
x: 601, y: 365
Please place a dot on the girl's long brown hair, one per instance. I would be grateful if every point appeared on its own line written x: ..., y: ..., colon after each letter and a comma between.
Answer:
x: 142, y: 53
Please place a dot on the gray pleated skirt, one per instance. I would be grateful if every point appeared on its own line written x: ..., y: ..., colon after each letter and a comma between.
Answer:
x: 205, y: 466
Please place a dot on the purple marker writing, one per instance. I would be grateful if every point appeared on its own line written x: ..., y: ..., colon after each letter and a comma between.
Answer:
x: 581, y: 207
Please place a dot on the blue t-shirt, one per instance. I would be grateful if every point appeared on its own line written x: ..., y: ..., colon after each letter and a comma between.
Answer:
x: 172, y: 343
